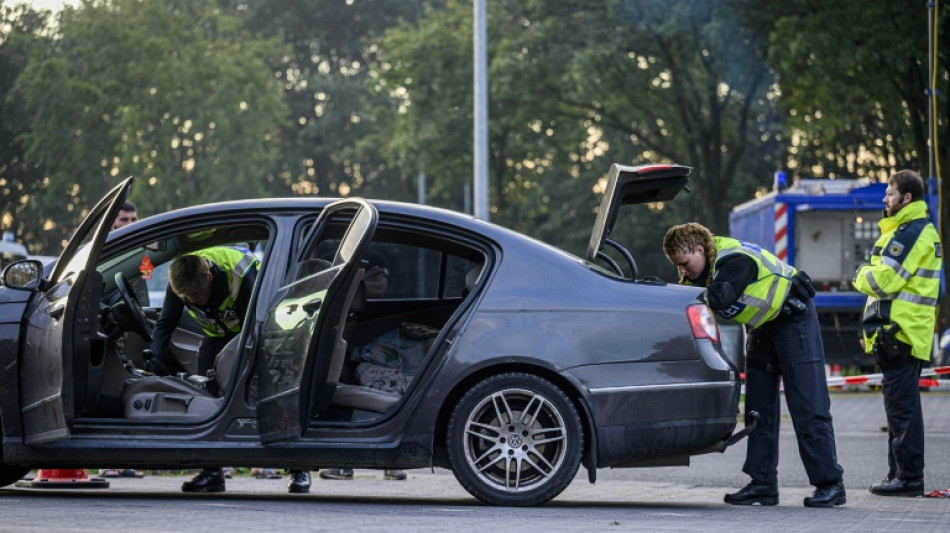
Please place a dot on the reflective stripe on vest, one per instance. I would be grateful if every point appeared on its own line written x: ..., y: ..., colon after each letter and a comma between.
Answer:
x: 762, y: 299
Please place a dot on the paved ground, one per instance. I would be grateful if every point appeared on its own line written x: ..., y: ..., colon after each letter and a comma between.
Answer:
x: 663, y: 499
x: 433, y: 501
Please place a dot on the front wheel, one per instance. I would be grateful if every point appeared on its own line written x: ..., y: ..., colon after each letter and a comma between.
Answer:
x: 515, y: 439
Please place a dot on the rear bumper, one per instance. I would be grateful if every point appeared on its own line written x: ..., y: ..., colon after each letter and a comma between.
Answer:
x: 663, y: 424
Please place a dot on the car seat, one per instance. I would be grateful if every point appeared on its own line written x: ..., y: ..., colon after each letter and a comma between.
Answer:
x: 180, y: 398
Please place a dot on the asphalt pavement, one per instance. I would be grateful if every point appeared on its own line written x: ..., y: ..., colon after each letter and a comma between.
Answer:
x: 658, y: 499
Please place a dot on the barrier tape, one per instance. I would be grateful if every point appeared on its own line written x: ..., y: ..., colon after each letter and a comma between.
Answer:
x: 927, y: 378
x: 877, y: 379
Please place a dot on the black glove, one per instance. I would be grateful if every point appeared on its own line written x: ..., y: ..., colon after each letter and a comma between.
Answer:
x: 802, y: 286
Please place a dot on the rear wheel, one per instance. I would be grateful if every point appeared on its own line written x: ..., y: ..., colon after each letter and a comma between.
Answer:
x: 515, y: 439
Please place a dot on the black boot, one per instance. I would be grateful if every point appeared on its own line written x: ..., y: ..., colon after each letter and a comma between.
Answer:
x: 754, y: 493
x: 208, y: 480
x: 299, y: 481
x: 827, y: 496
x: 898, y: 487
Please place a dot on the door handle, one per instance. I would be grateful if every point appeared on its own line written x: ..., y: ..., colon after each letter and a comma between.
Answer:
x: 312, y: 306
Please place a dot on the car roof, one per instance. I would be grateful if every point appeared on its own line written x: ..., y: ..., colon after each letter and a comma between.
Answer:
x: 297, y: 205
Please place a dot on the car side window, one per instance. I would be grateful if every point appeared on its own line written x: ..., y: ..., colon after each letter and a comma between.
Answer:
x: 423, y: 273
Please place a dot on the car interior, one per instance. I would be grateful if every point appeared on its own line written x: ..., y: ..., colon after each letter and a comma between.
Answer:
x: 385, y: 338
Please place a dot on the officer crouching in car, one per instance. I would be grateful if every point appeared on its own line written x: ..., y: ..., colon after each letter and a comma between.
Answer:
x: 214, y: 285
x: 902, y: 282
x: 753, y: 287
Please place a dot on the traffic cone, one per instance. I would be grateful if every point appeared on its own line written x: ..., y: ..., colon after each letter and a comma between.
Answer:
x: 63, y: 479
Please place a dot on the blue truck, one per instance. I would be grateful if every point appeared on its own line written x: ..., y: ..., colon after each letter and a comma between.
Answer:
x: 827, y: 228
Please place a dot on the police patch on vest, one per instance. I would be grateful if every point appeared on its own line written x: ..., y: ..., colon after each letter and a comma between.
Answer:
x: 937, y: 251
x: 895, y: 248
x: 751, y: 245
x: 731, y: 311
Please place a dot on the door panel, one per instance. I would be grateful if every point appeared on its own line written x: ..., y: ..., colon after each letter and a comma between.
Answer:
x: 63, y: 345
x: 296, y: 342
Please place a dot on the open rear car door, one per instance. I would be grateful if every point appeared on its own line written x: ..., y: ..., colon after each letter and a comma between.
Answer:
x: 299, y: 334
x: 64, y: 346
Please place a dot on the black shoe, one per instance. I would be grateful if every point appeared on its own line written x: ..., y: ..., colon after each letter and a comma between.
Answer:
x: 208, y: 480
x: 394, y: 475
x: 299, y: 481
x: 754, y: 493
x: 827, y: 496
x: 337, y: 473
x: 898, y: 487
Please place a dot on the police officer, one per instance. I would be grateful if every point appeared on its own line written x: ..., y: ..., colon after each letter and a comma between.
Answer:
x: 753, y: 287
x: 902, y: 282
x: 214, y: 285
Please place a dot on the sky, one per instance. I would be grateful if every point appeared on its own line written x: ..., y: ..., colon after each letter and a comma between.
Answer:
x: 48, y: 4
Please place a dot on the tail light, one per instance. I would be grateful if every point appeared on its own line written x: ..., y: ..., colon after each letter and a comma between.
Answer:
x: 703, y: 323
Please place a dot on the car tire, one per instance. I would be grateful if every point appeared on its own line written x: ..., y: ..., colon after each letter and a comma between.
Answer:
x: 10, y: 474
x: 515, y: 439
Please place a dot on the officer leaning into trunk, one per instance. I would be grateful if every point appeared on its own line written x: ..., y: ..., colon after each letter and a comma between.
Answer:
x: 902, y: 282
x: 773, y: 300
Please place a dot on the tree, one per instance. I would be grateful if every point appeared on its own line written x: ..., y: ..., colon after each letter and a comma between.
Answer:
x: 21, y: 29
x: 574, y: 87
x: 172, y: 92
x: 328, y: 86
x: 856, y: 98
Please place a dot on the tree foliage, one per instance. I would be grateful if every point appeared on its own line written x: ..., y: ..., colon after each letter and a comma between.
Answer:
x: 204, y: 100
x: 856, y: 99
x: 574, y: 87
x: 174, y: 93
x: 327, y: 85
x: 21, y: 29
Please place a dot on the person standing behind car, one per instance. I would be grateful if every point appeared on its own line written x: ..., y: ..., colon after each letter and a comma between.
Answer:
x: 902, y: 282
x: 127, y: 215
x: 753, y: 287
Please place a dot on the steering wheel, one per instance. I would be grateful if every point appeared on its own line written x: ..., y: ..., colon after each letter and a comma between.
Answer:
x: 140, y: 323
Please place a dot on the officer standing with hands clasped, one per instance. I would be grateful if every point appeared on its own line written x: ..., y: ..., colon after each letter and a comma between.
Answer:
x: 902, y: 282
x: 753, y: 287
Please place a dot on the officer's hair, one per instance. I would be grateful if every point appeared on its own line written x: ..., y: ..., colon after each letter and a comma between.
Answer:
x: 185, y: 271
x: 908, y: 181
x: 683, y: 238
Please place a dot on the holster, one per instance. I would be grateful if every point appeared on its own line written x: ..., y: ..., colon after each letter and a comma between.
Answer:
x: 762, y: 355
x: 890, y: 353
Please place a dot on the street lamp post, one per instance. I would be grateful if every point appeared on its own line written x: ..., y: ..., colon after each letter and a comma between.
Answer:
x: 481, y: 112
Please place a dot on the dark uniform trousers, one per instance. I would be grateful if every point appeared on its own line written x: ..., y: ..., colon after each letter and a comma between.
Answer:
x: 790, y: 346
x: 905, y: 422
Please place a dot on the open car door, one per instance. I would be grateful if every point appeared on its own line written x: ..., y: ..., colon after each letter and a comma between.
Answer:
x: 634, y: 185
x: 299, y: 334
x: 62, y: 331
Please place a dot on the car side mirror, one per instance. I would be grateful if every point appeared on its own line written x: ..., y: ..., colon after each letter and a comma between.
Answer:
x: 26, y: 275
